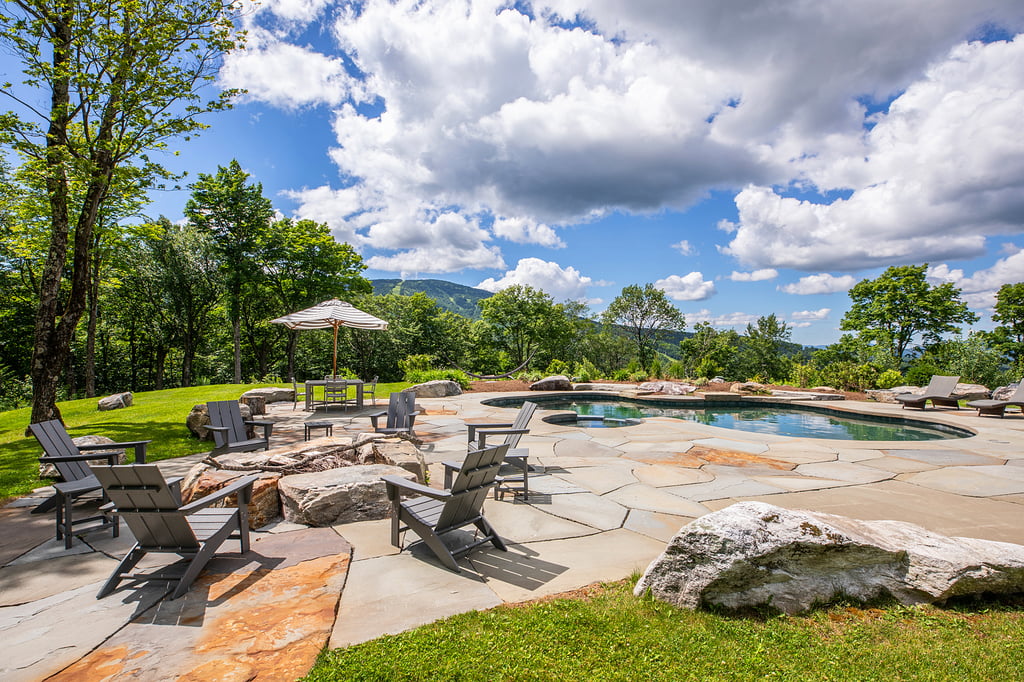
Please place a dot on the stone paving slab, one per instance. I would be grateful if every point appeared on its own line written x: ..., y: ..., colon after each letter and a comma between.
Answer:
x: 660, y: 476
x: 599, y: 480
x: 858, y: 473
x: 391, y: 594
x: 640, y: 496
x: 588, y: 509
x: 946, y: 458
x: 26, y: 582
x: 975, y: 481
x: 656, y: 525
x: 540, y: 569
x: 265, y: 615
x: 897, y: 465
x: 518, y: 522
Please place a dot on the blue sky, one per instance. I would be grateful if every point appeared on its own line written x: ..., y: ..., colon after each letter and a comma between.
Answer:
x: 748, y: 158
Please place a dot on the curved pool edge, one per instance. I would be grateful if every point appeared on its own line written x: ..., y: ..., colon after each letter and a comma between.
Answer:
x: 837, y: 408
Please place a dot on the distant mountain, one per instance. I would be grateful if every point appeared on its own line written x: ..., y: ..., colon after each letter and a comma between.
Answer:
x: 457, y: 298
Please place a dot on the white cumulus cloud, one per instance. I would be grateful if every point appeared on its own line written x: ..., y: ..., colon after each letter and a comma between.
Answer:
x: 755, y: 276
x: 685, y: 248
x: 979, y: 290
x: 819, y: 284
x: 820, y: 314
x: 691, y: 287
x: 526, y: 231
x: 562, y: 284
x: 721, y: 320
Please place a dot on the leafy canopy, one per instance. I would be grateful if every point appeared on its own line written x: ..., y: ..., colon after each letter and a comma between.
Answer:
x: 646, y: 314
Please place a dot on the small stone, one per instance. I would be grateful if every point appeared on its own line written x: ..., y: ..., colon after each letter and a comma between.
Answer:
x: 558, y: 382
x: 666, y: 387
x: 439, y: 388
x: 271, y: 394
x: 199, y: 418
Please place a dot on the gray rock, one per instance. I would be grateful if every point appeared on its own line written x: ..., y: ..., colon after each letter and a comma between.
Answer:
x: 439, y: 388
x: 753, y: 554
x: 961, y: 392
x: 114, y: 402
x: 402, y: 453
x: 198, y: 419
x: 558, y: 382
x: 271, y: 394
x: 971, y: 392
x: 324, y: 498
x: 749, y: 388
x: 1004, y: 392
x: 47, y: 470
x: 666, y: 387
x: 603, y: 387
x: 807, y: 395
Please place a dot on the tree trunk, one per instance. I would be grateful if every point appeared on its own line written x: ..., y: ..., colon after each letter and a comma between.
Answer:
x: 161, y: 359
x: 236, y: 332
x: 90, y: 330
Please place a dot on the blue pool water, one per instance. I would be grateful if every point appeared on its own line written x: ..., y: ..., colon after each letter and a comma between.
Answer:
x: 774, y: 419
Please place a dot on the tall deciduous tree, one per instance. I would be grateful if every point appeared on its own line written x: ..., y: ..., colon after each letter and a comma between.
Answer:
x: 762, y: 350
x: 900, y: 305
x: 121, y: 77
x: 1008, y: 337
x: 235, y: 213
x: 522, y: 319
x: 646, y: 313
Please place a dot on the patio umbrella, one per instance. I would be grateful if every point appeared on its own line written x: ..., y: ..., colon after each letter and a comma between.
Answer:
x: 332, y: 314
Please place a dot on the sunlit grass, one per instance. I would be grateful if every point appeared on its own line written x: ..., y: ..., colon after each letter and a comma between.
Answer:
x: 154, y: 415
x: 609, y: 634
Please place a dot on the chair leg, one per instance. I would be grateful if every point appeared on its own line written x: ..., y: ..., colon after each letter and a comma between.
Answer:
x: 67, y: 523
x: 127, y: 563
x: 489, y: 532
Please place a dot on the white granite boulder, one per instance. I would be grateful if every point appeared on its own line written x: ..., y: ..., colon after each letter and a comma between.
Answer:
x: 666, y: 388
x: 439, y: 388
x: 755, y: 554
x: 271, y: 394
x: 115, y: 402
x: 354, y: 493
x: 1004, y: 392
x: 47, y: 470
x: 971, y: 392
x: 749, y: 388
x: 557, y: 382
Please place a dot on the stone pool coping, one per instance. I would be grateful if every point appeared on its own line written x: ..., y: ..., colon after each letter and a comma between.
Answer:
x: 605, y: 505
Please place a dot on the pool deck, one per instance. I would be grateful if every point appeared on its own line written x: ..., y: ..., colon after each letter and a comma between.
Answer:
x: 604, y: 506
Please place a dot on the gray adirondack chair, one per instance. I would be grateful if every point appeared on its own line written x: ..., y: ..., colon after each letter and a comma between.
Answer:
x: 433, y: 513
x: 401, y: 414
x: 152, y: 508
x: 70, y: 461
x: 229, y: 429
x: 369, y: 390
x: 939, y: 390
x: 515, y: 459
x: 297, y: 394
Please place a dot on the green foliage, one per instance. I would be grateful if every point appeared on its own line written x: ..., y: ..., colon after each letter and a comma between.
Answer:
x: 557, y: 367
x: 920, y: 372
x: 420, y: 376
x: 610, y: 634
x: 15, y: 391
x: 973, y: 359
x: 889, y: 378
x: 416, y: 363
x: 1008, y: 336
x: 761, y: 352
x: 456, y: 298
x: 646, y: 314
x: 639, y: 376
x: 899, y: 306
x: 804, y: 376
x: 849, y: 376
x: 711, y: 352
x: 585, y: 371
x: 656, y: 370
x: 676, y: 370
x: 526, y: 323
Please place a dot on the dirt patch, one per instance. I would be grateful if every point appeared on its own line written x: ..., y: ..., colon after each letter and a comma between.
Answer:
x: 503, y: 386
x: 514, y: 385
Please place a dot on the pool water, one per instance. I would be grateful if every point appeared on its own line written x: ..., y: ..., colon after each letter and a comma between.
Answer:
x: 774, y: 419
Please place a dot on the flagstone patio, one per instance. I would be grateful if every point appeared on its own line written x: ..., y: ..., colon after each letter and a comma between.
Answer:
x: 605, y: 505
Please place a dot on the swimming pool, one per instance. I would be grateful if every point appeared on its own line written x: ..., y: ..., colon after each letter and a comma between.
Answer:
x: 774, y: 418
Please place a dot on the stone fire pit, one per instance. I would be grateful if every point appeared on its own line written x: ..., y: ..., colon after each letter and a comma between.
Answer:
x: 317, y: 483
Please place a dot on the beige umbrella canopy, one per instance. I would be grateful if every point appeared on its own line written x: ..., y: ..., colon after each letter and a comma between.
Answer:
x: 332, y: 314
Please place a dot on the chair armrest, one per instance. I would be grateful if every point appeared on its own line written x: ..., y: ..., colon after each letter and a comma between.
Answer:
x: 483, y: 433
x: 258, y: 422
x: 109, y: 456
x: 410, y: 486
x: 375, y: 416
x: 218, y: 428
x: 236, y: 487
x: 138, y: 445
x: 473, y: 428
x: 267, y: 428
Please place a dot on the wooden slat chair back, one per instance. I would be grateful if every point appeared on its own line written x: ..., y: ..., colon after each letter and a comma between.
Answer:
x: 434, y: 513
x: 57, y: 443
x: 520, y: 424
x: 151, y: 506
x: 336, y: 391
x: 517, y: 458
x: 401, y: 414
x: 230, y: 432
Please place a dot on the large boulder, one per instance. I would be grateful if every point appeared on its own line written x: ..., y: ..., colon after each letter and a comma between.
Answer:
x: 971, y: 392
x: 47, y: 470
x: 271, y: 394
x: 666, y: 387
x: 1004, y: 392
x: 203, y: 480
x: 114, y: 402
x: 439, y: 388
x: 400, y: 453
x: 324, y: 498
x: 755, y: 554
x: 611, y: 388
x: 199, y: 418
x: 558, y: 382
x: 961, y: 392
x: 749, y: 388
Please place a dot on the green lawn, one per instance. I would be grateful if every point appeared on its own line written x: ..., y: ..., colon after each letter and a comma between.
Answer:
x: 609, y: 634
x: 155, y: 415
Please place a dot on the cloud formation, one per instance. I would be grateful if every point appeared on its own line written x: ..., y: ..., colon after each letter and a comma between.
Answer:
x: 691, y: 287
x: 562, y: 284
x: 522, y: 121
x: 755, y: 276
x: 979, y: 290
x: 819, y: 284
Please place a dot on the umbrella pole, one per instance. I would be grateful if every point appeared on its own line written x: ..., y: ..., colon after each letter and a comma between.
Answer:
x: 334, y: 372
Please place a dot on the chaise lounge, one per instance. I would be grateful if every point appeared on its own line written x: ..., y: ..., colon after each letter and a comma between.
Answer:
x: 939, y: 390
x: 997, y: 408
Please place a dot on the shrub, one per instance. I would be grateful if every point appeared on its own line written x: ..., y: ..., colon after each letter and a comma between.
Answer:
x: 656, y: 369
x: 639, y: 376
x: 804, y: 376
x: 422, y: 376
x: 621, y: 375
x: 416, y: 363
x: 920, y: 373
x: 585, y: 371
x: 676, y: 370
x: 888, y: 379
x: 557, y: 367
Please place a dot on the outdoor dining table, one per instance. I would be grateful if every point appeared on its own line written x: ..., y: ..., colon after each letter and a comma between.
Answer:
x: 311, y: 402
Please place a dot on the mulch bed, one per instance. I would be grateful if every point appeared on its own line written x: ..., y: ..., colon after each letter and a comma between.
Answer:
x: 511, y: 385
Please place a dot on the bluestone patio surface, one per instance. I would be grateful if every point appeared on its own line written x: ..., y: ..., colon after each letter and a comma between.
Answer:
x: 603, y: 506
